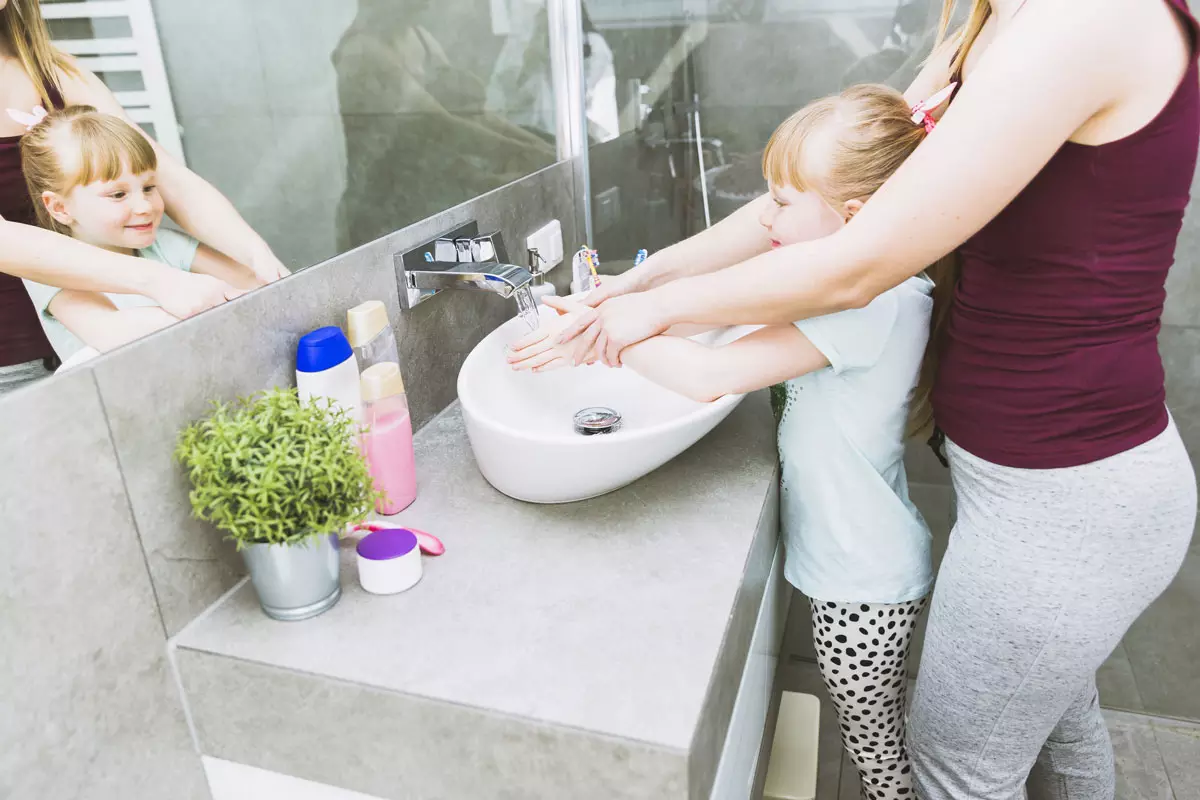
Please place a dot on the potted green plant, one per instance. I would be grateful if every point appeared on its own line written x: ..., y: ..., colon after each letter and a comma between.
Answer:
x: 282, y: 479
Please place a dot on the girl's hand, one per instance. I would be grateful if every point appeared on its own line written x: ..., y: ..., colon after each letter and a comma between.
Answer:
x: 538, y: 351
x: 184, y: 294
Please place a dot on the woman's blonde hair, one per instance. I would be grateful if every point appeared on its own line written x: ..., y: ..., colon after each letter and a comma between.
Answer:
x: 946, y: 271
x: 77, y: 146
x: 24, y: 31
x: 980, y: 11
x: 844, y: 147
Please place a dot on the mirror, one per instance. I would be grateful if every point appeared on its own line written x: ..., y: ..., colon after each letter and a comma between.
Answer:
x: 326, y: 125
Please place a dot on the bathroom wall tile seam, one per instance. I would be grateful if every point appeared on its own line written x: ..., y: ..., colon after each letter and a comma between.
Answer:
x: 436, y: 701
x: 172, y: 649
x: 137, y: 528
x: 177, y: 680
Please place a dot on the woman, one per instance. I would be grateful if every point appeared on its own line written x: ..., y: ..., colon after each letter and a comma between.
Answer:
x: 1062, y: 169
x: 33, y: 73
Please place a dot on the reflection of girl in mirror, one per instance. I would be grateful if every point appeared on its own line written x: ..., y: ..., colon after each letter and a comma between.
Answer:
x: 93, y: 177
x: 34, y: 73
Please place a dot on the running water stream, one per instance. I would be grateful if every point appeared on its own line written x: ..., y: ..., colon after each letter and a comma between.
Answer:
x: 527, y: 307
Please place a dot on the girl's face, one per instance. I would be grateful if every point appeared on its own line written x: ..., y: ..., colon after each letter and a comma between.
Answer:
x: 122, y: 214
x: 796, y: 216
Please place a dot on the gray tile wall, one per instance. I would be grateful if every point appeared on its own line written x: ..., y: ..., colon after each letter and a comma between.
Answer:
x: 155, y: 386
x: 90, y: 707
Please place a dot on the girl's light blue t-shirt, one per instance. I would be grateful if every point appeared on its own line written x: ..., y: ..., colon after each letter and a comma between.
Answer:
x: 172, y: 248
x: 850, y: 531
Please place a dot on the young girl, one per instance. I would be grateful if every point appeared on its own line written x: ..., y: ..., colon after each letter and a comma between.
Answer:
x: 856, y: 545
x: 91, y: 176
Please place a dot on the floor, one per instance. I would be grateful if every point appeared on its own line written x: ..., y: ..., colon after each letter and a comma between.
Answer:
x: 1156, y: 670
x: 1157, y: 759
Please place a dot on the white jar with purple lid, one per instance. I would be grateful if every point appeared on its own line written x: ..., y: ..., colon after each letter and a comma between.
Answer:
x: 389, y: 561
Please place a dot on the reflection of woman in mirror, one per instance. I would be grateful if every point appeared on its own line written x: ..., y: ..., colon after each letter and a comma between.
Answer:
x: 521, y: 87
x: 93, y: 177
x: 34, y: 74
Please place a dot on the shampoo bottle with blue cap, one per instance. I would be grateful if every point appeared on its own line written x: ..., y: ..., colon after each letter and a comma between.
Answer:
x: 326, y: 367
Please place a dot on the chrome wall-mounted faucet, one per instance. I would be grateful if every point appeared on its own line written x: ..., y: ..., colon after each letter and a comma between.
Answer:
x: 460, y: 259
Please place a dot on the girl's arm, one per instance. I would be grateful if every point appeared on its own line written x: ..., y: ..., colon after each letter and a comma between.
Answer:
x: 758, y: 360
x: 211, y: 262
x: 1038, y: 83
x: 94, y: 319
x: 190, y: 200
x: 703, y: 373
x: 50, y: 258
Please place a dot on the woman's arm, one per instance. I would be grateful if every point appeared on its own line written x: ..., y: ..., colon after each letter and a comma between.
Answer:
x: 1038, y: 83
x: 740, y: 236
x: 94, y: 319
x: 53, y: 259
x: 758, y: 360
x: 210, y: 262
x: 732, y: 240
x: 190, y: 200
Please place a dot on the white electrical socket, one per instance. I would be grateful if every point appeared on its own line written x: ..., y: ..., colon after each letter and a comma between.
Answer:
x: 548, y: 241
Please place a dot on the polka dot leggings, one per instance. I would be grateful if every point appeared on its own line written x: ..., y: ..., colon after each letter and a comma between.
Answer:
x: 862, y: 650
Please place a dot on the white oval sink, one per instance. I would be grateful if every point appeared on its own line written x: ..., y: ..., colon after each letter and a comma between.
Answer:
x: 521, y: 424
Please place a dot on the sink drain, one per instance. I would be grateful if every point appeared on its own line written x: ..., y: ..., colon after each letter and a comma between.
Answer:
x: 597, y: 420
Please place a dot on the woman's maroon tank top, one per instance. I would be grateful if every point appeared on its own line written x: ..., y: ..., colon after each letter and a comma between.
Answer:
x: 21, y: 335
x: 1051, y: 356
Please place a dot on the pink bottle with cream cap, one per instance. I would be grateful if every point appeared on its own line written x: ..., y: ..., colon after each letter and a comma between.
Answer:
x: 388, y: 439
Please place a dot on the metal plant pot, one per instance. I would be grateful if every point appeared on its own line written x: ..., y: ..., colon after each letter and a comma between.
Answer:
x: 298, y: 581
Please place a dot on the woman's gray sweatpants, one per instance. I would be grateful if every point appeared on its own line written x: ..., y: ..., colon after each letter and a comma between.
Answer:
x: 1045, y: 571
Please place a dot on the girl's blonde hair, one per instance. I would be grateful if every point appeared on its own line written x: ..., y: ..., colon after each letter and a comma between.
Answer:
x: 77, y: 146
x: 844, y: 147
x: 24, y: 31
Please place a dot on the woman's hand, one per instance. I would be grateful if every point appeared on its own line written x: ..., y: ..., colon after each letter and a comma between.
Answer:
x: 614, y: 325
x: 185, y: 294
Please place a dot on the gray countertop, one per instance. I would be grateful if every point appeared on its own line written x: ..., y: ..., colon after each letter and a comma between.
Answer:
x: 607, y: 616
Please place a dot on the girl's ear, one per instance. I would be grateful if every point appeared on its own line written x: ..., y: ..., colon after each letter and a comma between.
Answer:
x: 852, y: 207
x: 57, y: 207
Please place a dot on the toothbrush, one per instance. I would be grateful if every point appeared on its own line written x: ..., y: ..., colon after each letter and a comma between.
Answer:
x: 641, y: 256
x: 592, y: 256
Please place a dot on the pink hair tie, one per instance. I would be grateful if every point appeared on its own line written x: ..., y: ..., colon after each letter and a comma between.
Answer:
x: 28, y: 120
x: 922, y: 112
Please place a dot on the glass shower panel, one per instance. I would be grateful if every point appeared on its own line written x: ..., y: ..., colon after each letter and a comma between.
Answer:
x: 699, y: 86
